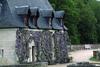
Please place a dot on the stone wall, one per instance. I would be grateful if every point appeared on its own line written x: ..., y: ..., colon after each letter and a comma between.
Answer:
x: 35, y: 64
x: 81, y: 64
x: 82, y: 46
x: 7, y: 46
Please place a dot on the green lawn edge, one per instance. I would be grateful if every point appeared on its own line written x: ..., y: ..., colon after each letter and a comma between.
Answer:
x: 93, y: 59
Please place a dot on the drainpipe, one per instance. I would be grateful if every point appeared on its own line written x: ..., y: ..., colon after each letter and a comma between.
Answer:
x: 0, y: 11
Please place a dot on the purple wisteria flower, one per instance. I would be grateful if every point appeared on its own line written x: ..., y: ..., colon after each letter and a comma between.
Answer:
x: 43, y: 44
x: 61, y: 42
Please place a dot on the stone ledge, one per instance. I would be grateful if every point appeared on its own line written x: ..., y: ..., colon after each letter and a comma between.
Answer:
x: 30, y: 64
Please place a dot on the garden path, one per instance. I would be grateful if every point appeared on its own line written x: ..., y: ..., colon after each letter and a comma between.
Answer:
x: 78, y: 56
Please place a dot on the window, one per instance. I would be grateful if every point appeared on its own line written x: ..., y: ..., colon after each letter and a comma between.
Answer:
x: 1, y: 53
x: 61, y: 22
x: 26, y: 20
x: 35, y: 19
x: 50, y: 22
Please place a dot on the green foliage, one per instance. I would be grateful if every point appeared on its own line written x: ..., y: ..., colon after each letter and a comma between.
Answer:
x: 72, y: 19
x: 80, y: 20
x: 93, y: 59
x: 95, y: 5
x: 53, y: 5
x: 86, y: 26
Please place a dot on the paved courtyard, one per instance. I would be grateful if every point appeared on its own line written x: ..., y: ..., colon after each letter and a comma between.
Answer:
x: 78, y: 56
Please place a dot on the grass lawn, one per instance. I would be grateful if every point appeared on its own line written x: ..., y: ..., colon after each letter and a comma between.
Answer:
x: 93, y: 59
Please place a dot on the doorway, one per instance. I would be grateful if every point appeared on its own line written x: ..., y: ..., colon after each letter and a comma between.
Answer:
x: 33, y: 53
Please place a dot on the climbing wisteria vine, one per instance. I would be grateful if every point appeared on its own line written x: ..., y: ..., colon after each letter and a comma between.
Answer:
x: 44, y: 46
x: 47, y: 47
x: 36, y: 36
x: 22, y: 47
x: 61, y: 42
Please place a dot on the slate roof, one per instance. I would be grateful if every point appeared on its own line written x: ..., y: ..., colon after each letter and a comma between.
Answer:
x: 9, y: 17
x: 59, y: 14
x: 45, y: 12
x: 13, y: 12
x: 33, y: 11
x: 0, y: 11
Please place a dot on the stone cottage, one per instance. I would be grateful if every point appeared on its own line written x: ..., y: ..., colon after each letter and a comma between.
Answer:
x: 32, y: 15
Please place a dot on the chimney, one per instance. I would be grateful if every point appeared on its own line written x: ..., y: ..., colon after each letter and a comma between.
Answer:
x: 0, y: 11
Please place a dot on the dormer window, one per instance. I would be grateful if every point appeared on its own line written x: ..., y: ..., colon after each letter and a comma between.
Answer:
x: 23, y: 13
x: 45, y: 19
x: 57, y: 22
x: 34, y: 14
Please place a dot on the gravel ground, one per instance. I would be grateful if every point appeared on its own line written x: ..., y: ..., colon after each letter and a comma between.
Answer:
x: 78, y: 56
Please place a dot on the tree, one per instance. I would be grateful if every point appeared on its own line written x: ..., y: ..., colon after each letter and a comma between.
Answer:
x: 86, y: 26
x: 80, y: 20
x: 72, y: 17
x: 95, y: 5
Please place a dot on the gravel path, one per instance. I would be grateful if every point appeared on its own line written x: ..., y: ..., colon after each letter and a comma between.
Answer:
x: 78, y: 56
